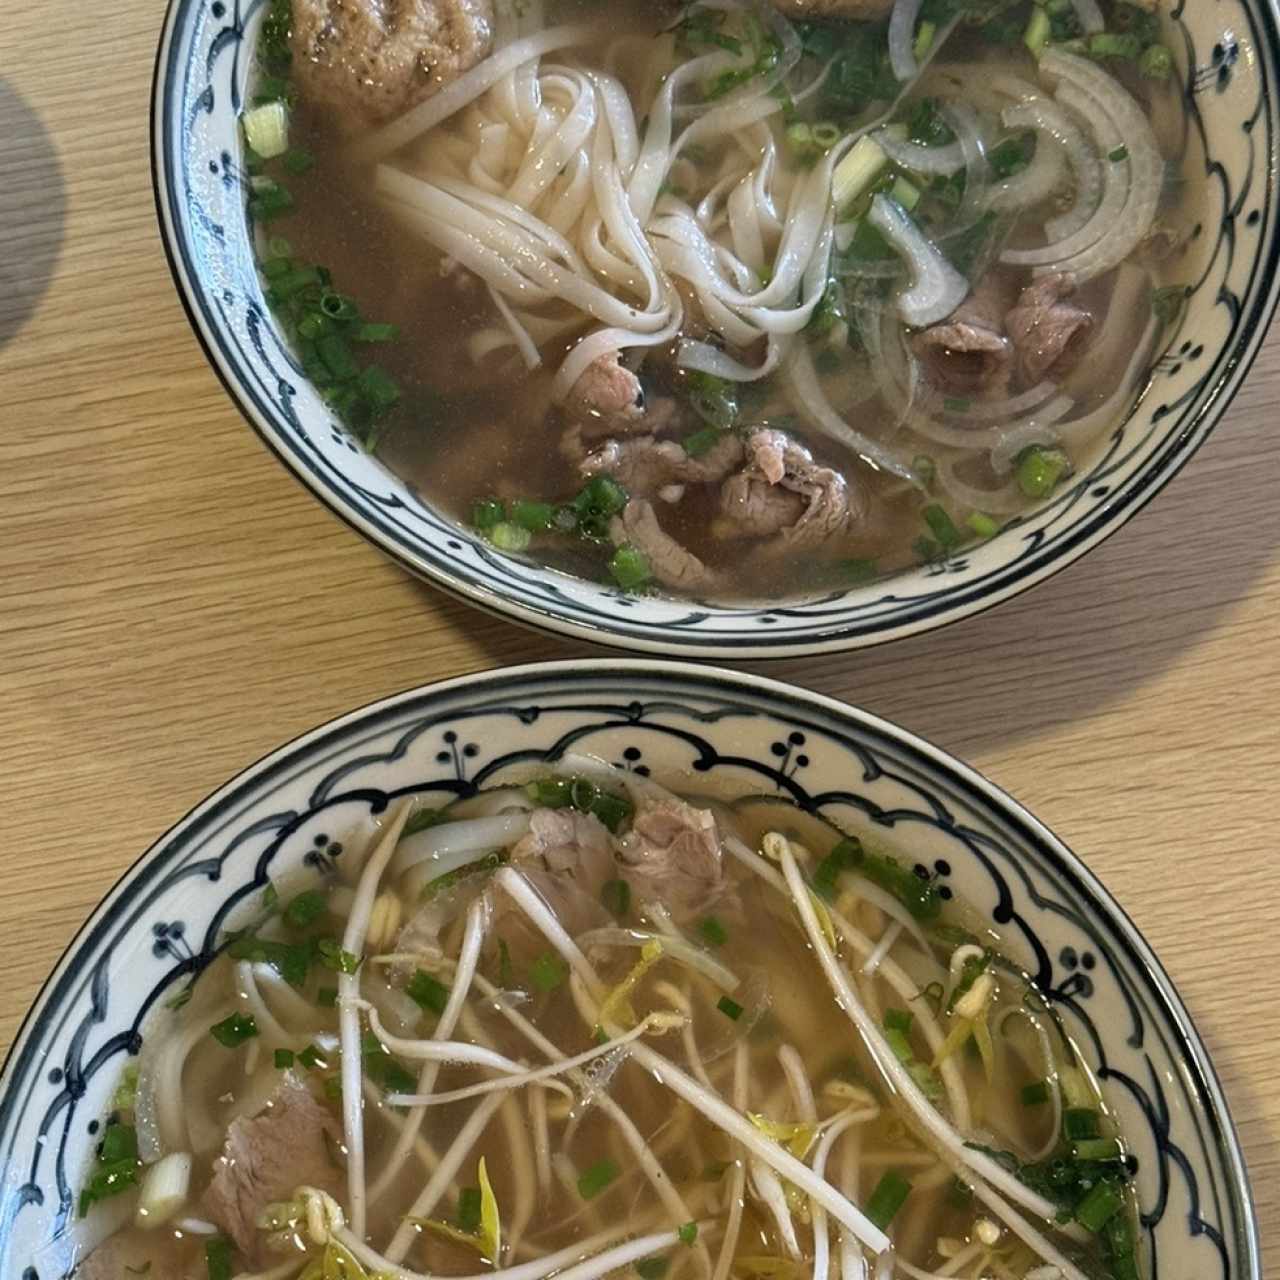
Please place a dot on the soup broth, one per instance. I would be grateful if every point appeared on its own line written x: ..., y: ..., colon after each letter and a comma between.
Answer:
x: 703, y: 300
x: 587, y: 1024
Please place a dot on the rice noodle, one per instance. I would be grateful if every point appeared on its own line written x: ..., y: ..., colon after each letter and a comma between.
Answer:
x: 937, y: 288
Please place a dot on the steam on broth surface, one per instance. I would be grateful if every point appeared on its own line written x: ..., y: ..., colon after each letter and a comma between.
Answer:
x: 726, y: 298
x: 586, y: 1027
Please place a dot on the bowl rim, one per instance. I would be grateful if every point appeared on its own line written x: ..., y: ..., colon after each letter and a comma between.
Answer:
x: 1214, y: 398
x: 776, y: 694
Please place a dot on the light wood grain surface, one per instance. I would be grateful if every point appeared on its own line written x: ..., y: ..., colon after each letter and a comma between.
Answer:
x: 173, y: 605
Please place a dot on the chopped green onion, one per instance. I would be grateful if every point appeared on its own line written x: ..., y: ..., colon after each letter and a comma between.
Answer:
x: 652, y: 1268
x: 335, y: 357
x: 283, y: 1059
x: 306, y: 908
x: 702, y: 442
x: 217, y: 1258
x: 234, y: 1031
x: 1167, y: 303
x: 898, y: 1040
x: 333, y: 1088
x: 537, y: 517
x: 510, y: 537
x: 957, y: 404
x: 332, y: 956
x: 311, y: 1057
x: 313, y: 325
x: 1080, y: 1122
x: 688, y: 1233
x: 548, y: 971
x: 889, y: 1196
x: 855, y: 174
x: 920, y: 897
x: 616, y: 896
x: 427, y: 992
x: 600, y: 496
x: 712, y: 931
x: 298, y: 160
x: 629, y: 567
x: 715, y: 400
x: 1038, y: 31
x: 1035, y: 1095
x: 1156, y: 62
x: 730, y: 1008
x: 907, y: 194
x: 1099, y: 1206
x: 271, y: 203
x: 1120, y: 153
x: 1040, y: 469
x: 925, y: 467
x: 942, y: 525
x: 488, y: 513
x: 924, y: 40
x: 597, y: 1178
x: 266, y: 129
x: 368, y: 332
x: 379, y: 388
x: 327, y: 997
x: 982, y: 524
x: 899, y: 1019
x: 1107, y: 44
x: 338, y: 306
x: 1097, y: 1149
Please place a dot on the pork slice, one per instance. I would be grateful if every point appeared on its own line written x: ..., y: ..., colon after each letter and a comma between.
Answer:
x: 672, y: 853
x: 784, y: 492
x: 1048, y: 333
x: 367, y: 61
x: 267, y: 1157
x: 643, y: 464
x: 863, y: 9
x: 672, y: 565
x: 969, y: 353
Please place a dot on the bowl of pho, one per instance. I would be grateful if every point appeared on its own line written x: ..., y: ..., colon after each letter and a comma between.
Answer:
x: 735, y: 327
x: 586, y: 969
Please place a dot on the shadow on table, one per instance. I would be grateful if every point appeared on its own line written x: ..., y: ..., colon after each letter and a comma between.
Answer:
x: 32, y: 211
x: 1061, y: 652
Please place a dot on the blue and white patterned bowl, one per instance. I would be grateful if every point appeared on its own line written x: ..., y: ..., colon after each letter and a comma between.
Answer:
x: 1229, y: 58
x: 711, y: 730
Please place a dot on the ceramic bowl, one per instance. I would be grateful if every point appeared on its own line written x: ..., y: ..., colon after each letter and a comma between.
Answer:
x: 1228, y: 56
x: 685, y: 725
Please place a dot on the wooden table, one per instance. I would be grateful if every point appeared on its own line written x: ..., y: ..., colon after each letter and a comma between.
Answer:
x: 173, y: 605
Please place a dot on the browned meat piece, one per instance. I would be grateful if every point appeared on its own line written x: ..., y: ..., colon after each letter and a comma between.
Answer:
x: 267, y: 1157
x: 969, y: 353
x: 643, y: 465
x: 672, y: 565
x: 568, y: 843
x: 783, y: 491
x: 608, y: 394
x: 834, y: 8
x: 1049, y: 334
x: 367, y: 61
x: 672, y: 852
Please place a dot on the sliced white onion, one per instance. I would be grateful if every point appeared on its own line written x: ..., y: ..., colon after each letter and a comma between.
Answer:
x: 902, y: 38
x: 930, y: 161
x: 963, y: 121
x: 937, y: 288
x: 1037, y: 182
x: 1091, y: 19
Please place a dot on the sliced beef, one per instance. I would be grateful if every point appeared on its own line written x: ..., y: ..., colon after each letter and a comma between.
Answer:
x: 643, y: 465
x: 157, y: 1255
x: 969, y: 353
x: 672, y: 564
x: 568, y: 843
x: 672, y: 853
x: 607, y: 397
x: 783, y: 491
x: 267, y: 1157
x: 869, y: 9
x: 367, y: 61
x: 1048, y: 333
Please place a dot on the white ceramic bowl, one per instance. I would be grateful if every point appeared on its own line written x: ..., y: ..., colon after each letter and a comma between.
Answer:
x: 1228, y: 60
x: 684, y: 724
